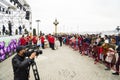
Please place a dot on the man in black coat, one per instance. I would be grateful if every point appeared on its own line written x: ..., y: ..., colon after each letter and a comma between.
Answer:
x: 3, y: 30
x: 21, y: 64
x: 20, y: 30
x: 10, y: 28
x: 60, y: 40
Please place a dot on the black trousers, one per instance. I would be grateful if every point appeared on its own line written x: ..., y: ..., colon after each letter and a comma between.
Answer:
x: 52, y: 46
x: 3, y: 32
x: 10, y: 32
x: 60, y: 43
x: 43, y: 45
x: 49, y: 44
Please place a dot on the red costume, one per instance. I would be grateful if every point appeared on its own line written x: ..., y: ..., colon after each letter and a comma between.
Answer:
x: 34, y: 39
x: 42, y: 39
x: 52, y: 40
x: 22, y: 41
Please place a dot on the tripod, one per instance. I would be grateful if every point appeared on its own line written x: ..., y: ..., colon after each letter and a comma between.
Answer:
x: 35, y: 71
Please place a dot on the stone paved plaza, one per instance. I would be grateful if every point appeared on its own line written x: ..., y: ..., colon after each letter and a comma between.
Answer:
x: 62, y: 64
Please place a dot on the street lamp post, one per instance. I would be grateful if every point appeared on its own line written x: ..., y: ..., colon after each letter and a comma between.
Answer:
x: 38, y: 25
x: 55, y: 23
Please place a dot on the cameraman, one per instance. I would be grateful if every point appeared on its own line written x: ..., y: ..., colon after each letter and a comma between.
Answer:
x: 21, y: 64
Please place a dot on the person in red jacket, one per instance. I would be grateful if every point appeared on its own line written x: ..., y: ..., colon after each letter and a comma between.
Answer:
x: 42, y: 40
x: 52, y: 41
x: 49, y: 38
x: 34, y: 39
x: 22, y: 41
x: 27, y: 39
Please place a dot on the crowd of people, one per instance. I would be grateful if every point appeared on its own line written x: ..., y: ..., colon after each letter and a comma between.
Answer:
x: 8, y: 30
x: 44, y: 41
x: 5, y: 31
x: 105, y: 49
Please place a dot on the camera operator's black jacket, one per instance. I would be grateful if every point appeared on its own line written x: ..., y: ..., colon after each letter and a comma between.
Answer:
x: 21, y: 67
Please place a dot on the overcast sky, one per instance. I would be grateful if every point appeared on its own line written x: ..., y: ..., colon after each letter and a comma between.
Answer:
x: 76, y: 15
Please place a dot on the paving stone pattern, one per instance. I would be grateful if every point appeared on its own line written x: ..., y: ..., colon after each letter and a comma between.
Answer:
x: 62, y: 64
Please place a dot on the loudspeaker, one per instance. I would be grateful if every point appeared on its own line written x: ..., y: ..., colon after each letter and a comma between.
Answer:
x: 27, y: 15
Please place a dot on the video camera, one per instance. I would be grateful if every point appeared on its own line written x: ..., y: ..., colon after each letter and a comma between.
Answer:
x: 32, y: 48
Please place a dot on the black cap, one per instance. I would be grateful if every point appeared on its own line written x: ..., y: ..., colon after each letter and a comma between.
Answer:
x: 19, y: 48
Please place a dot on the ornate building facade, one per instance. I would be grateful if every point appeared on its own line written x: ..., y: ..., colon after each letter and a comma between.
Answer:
x: 18, y: 12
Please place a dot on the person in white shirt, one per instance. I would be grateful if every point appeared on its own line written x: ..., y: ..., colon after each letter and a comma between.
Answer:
x: 57, y: 43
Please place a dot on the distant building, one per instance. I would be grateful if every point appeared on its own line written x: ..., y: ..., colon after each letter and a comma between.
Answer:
x: 16, y: 12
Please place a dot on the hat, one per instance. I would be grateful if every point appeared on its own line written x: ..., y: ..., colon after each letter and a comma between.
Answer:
x: 19, y: 48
